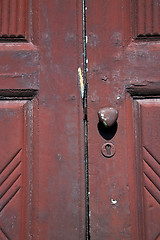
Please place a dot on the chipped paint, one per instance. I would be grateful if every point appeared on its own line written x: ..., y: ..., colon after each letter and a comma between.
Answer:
x: 81, y: 82
x: 113, y: 202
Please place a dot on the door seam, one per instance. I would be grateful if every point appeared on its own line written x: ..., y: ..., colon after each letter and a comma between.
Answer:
x: 87, y: 192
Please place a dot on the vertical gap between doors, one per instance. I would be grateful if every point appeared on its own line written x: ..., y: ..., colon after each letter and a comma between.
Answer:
x: 86, y: 122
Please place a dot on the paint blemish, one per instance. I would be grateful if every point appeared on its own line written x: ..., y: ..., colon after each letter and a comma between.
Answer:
x: 81, y: 82
x: 105, y: 78
x: 86, y: 39
x: 94, y: 97
x: 113, y: 201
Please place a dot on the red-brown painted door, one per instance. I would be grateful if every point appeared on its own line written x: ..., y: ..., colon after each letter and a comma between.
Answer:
x: 41, y: 132
x: 123, y: 53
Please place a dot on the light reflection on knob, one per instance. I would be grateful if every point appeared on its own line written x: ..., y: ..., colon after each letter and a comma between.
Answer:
x: 108, y: 116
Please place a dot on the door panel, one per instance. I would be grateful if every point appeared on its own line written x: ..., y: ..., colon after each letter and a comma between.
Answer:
x: 16, y: 169
x: 148, y: 164
x: 146, y: 18
x: 123, y: 73
x: 14, y: 18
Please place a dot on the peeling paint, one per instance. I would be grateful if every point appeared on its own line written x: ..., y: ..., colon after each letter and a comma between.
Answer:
x: 81, y: 82
x: 86, y: 39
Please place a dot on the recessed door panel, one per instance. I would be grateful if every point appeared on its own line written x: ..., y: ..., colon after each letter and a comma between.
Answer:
x: 148, y: 167
x: 16, y: 172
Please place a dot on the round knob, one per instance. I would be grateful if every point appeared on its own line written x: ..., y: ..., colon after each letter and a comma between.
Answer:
x: 108, y: 116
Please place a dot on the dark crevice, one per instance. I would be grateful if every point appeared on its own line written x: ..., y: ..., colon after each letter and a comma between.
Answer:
x: 148, y: 37
x: 107, y: 133
x: 6, y: 39
x: 12, y: 38
x: 14, y: 94
x: 86, y: 122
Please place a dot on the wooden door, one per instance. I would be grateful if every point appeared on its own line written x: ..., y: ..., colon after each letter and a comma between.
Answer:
x: 123, y: 52
x: 41, y: 162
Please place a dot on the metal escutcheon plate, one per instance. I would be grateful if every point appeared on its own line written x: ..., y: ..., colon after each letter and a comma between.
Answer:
x: 108, y: 150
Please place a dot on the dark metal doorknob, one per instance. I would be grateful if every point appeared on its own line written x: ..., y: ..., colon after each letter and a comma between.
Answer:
x: 108, y: 116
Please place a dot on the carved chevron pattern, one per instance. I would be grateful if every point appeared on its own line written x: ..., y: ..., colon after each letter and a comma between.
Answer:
x: 151, y: 169
x: 3, y: 235
x: 10, y: 180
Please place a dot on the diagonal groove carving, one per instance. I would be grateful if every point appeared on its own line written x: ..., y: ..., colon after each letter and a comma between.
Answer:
x: 152, y: 195
x: 153, y: 165
x: 10, y: 180
x: 151, y: 171
x: 152, y: 176
x: 6, y: 200
x: 151, y: 155
x: 152, y: 189
x: 10, y: 174
x: 8, y: 186
x: 10, y: 166
x: 3, y: 235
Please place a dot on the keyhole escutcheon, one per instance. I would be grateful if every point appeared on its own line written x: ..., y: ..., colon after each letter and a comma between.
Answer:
x: 108, y: 150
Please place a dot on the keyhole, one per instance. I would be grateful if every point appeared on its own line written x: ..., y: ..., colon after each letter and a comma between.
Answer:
x: 108, y: 149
